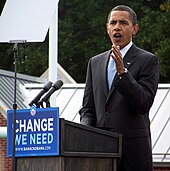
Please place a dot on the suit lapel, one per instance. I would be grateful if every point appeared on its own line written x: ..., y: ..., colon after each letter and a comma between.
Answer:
x: 129, y: 58
x: 104, y: 72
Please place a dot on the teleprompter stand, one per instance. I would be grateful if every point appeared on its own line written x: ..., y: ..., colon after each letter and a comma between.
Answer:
x: 15, y: 52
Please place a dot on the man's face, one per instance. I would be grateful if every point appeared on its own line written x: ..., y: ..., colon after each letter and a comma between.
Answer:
x: 120, y: 28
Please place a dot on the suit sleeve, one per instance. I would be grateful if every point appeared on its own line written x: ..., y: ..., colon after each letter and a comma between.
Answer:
x: 140, y: 92
x: 87, y: 112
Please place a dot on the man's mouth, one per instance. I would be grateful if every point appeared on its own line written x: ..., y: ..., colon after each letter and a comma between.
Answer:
x: 117, y: 35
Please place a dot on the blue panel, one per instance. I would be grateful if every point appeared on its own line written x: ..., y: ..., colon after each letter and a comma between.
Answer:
x: 37, y: 132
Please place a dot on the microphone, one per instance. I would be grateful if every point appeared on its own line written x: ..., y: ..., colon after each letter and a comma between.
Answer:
x: 56, y: 86
x: 46, y: 87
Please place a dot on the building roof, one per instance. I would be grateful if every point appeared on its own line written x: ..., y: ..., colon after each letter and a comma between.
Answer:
x: 69, y: 100
x: 61, y: 73
x: 7, y: 89
x: 160, y: 124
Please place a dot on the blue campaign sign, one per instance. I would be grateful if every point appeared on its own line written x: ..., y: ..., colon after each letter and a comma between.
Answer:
x: 37, y: 132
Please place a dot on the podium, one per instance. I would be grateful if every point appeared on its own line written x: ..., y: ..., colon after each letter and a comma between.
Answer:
x: 82, y: 148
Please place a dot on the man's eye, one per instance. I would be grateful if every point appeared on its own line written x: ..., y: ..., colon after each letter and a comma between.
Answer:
x: 124, y: 22
x: 112, y: 22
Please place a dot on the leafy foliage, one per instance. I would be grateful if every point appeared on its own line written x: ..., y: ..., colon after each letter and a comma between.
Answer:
x: 82, y: 34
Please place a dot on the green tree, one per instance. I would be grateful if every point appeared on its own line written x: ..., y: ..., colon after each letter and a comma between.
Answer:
x: 154, y: 35
x: 82, y: 34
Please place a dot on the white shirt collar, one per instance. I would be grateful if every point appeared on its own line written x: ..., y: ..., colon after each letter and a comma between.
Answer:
x: 125, y: 49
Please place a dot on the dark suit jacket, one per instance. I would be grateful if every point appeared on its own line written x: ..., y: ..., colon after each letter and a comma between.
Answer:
x: 125, y: 108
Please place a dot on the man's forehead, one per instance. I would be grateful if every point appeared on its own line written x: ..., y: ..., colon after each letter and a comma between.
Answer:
x: 123, y: 15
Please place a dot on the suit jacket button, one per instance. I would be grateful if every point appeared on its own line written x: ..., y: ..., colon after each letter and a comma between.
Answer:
x: 107, y: 113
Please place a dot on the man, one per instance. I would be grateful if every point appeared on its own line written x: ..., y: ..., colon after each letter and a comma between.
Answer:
x: 123, y: 106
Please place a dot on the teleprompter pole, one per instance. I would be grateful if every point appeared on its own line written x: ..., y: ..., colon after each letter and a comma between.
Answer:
x: 15, y: 52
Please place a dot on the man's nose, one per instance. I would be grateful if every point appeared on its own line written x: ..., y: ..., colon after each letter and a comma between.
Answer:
x: 117, y: 27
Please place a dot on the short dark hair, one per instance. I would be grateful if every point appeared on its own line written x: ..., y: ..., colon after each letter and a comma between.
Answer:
x: 131, y: 12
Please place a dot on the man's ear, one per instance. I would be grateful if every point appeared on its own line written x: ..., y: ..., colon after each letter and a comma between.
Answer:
x: 107, y: 28
x: 135, y: 29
